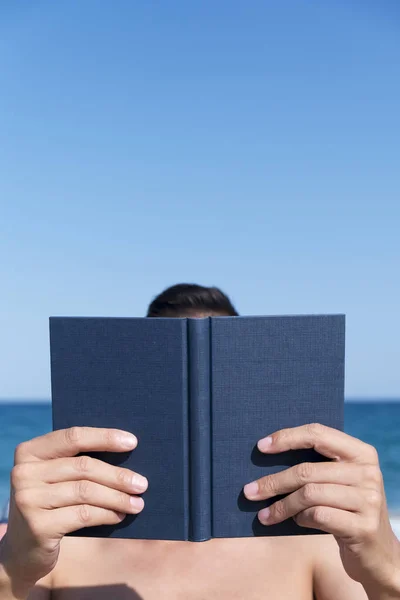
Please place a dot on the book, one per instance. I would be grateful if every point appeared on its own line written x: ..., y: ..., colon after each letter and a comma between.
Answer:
x: 198, y: 394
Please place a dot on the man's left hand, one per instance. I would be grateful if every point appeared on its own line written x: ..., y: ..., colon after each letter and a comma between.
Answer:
x: 344, y: 497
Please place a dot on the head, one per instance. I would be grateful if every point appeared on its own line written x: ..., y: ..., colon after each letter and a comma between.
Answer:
x: 191, y: 300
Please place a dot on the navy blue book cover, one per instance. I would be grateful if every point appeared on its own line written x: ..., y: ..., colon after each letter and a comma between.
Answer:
x: 198, y: 394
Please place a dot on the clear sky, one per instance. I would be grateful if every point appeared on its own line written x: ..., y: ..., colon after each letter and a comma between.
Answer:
x: 251, y: 145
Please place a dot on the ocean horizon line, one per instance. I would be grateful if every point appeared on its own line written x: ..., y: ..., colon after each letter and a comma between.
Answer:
x: 348, y: 400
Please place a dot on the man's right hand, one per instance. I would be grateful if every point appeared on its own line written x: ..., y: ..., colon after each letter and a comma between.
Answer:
x: 55, y: 492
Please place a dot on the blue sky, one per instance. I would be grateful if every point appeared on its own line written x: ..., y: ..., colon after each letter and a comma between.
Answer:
x: 250, y: 145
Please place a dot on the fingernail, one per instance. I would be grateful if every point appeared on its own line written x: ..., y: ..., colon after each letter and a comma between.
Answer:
x: 264, y: 514
x: 265, y: 444
x: 251, y: 489
x: 137, y: 503
x: 139, y: 483
x: 127, y: 440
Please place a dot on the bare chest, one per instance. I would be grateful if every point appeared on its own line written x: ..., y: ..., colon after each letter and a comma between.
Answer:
x: 220, y: 569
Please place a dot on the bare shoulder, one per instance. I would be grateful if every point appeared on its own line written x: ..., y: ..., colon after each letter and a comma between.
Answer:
x: 330, y: 580
x: 314, y: 562
x: 3, y: 529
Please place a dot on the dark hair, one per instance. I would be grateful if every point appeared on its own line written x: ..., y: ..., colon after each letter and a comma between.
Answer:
x: 185, y: 299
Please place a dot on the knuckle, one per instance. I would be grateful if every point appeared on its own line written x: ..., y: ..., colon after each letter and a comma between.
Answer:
x: 304, y: 472
x: 299, y: 518
x: 123, y: 501
x: 22, y: 499
x: 267, y: 486
x: 278, y: 511
x: 37, y: 527
x: 82, y: 490
x: 20, y: 452
x: 372, y: 454
x: 372, y: 474
x: 123, y: 477
x: 73, y: 435
x: 281, y: 436
x: 82, y: 464
x: 370, y: 529
x: 374, y: 499
x: 18, y: 474
x: 320, y: 515
x: 83, y: 514
x: 377, y: 477
x: 309, y: 492
x: 315, y: 430
x: 110, y: 436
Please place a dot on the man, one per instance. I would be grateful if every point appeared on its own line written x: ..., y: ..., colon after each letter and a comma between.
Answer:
x: 56, y: 490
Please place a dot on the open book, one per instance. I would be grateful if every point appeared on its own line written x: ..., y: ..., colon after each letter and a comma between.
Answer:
x: 198, y: 394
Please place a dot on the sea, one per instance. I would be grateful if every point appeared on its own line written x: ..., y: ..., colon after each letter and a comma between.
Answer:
x: 377, y: 423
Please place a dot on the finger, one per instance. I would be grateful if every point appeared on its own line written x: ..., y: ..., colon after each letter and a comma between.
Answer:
x: 72, y: 441
x: 329, y: 442
x: 69, y: 519
x: 331, y: 495
x: 27, y: 475
x: 291, y: 479
x: 342, y: 524
x: 59, y: 495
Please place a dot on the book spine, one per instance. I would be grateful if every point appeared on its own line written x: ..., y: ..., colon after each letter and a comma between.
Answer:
x: 199, y: 429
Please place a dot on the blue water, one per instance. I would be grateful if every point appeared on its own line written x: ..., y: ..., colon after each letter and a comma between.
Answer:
x: 376, y: 423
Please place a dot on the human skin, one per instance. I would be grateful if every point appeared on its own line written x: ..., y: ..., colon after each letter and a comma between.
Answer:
x: 54, y: 492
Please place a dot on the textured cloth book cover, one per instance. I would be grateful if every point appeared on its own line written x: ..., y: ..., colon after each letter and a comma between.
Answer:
x: 198, y: 394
